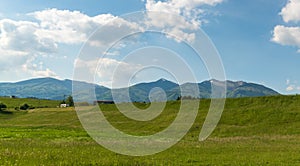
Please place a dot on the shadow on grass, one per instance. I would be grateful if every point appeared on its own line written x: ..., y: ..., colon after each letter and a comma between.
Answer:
x: 5, y: 112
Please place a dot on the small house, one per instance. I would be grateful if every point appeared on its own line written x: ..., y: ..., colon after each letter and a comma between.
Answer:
x: 64, y: 105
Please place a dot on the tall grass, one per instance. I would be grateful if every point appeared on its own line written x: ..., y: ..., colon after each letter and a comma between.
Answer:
x: 252, y: 131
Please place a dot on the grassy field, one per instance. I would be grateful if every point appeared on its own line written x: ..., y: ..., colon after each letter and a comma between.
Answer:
x: 37, y: 103
x: 252, y: 131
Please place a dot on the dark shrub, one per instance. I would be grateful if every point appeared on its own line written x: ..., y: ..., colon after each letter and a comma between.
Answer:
x: 2, y: 106
x: 24, y: 107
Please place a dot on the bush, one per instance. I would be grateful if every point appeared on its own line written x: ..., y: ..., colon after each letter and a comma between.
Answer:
x: 24, y: 107
x: 2, y: 106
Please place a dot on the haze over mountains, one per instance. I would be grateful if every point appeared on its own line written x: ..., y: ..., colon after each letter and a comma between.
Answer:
x: 50, y: 88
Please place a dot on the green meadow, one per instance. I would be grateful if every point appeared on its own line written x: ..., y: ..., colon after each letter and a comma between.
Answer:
x: 252, y: 131
x: 37, y: 103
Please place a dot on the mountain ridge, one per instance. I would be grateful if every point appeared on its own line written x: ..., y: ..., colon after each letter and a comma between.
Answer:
x: 54, y: 89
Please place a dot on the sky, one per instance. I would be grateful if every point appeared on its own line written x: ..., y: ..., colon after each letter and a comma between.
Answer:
x: 257, y: 41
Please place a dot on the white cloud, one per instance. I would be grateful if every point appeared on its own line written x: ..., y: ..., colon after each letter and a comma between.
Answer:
x: 21, y: 36
x: 118, y: 72
x: 39, y: 73
x: 290, y: 13
x: 20, y: 46
x: 73, y: 27
x: 195, y: 3
x: 180, y: 35
x: 114, y: 53
x: 184, y: 15
x: 11, y: 60
x: 286, y: 35
x: 89, y: 66
x: 64, y: 26
x: 108, y: 72
x: 185, y: 7
x: 23, y: 42
x: 290, y: 88
x: 115, y: 29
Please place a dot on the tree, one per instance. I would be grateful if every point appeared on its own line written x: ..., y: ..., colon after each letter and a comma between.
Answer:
x: 25, y: 106
x: 2, y: 106
x: 63, y: 102
x: 70, y: 101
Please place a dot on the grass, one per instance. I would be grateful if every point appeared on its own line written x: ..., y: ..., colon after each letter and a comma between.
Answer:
x: 252, y: 131
x: 37, y: 103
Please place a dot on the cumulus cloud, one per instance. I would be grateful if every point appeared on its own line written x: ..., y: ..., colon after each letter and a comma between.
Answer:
x: 288, y: 36
x: 179, y: 6
x: 72, y: 27
x: 32, y: 70
x: 113, y: 31
x: 290, y: 13
x: 10, y: 60
x: 22, y: 42
x: 118, y: 72
x: 108, y: 72
x: 21, y: 36
x: 184, y: 15
x: 64, y: 26
x: 25, y: 43
x: 20, y: 46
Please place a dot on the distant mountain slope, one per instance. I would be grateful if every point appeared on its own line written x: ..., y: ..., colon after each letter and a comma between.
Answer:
x: 140, y: 92
x: 50, y: 88
x: 243, y: 89
x: 44, y: 88
x: 238, y: 89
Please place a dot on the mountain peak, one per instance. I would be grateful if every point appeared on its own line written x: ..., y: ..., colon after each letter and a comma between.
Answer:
x: 163, y: 80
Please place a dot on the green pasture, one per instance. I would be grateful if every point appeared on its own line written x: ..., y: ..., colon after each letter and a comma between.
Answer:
x: 252, y: 131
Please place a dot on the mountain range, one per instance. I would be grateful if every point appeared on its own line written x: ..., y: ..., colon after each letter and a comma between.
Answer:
x: 54, y: 89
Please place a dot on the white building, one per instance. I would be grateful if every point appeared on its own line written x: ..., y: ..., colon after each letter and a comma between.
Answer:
x: 64, y: 105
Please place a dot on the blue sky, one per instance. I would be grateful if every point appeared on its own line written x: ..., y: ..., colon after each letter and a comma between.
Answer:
x: 258, y: 41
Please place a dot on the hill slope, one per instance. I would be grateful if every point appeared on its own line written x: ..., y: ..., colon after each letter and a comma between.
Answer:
x: 252, y: 131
